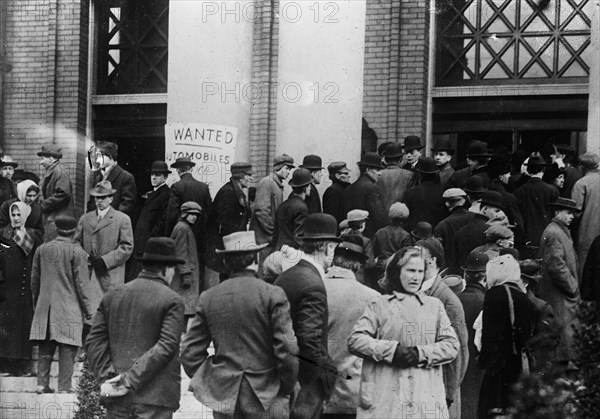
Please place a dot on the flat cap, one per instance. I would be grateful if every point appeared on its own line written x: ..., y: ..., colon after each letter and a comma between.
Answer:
x: 453, y: 193
x: 283, y: 160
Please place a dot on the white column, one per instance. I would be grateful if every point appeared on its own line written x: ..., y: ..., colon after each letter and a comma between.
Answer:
x: 593, y: 133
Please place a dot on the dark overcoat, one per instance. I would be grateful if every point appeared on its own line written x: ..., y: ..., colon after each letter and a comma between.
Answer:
x: 460, y: 176
x: 230, y: 211
x: 467, y: 238
x: 123, y: 182
x: 184, y: 190
x: 425, y: 203
x: 445, y: 174
x: 332, y: 200
x: 151, y: 221
x: 446, y: 229
x: 136, y: 333
x: 187, y: 250
x: 513, y: 212
x: 534, y: 197
x: 364, y: 194
x: 7, y: 190
x: 590, y: 279
x: 313, y: 201
x: 57, y: 196
x: 289, y: 222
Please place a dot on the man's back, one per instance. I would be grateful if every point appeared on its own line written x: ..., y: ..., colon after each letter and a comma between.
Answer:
x: 534, y: 197
x: 394, y: 182
x: 187, y: 189
x: 289, y: 222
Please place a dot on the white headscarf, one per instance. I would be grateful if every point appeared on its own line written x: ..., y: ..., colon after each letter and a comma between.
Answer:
x: 23, y: 187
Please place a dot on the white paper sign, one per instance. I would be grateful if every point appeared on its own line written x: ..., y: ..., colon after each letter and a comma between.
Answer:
x: 211, y: 147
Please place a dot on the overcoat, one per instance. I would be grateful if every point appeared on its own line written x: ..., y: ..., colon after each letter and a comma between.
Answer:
x: 313, y: 201
x: 111, y: 239
x: 269, y: 195
x: 364, y: 194
x: 249, y: 323
x: 136, y: 332
x: 408, y: 320
x: 332, y: 200
x: 534, y: 197
x: 123, y: 182
x: 445, y: 174
x: 289, y: 222
x: 184, y: 190
x: 467, y: 238
x: 7, y: 190
x: 460, y: 176
x: 394, y: 182
x: 57, y: 196
x: 590, y: 279
x: 186, y: 250
x: 572, y: 175
x: 425, y: 203
x: 59, y: 284
x: 559, y: 286
x: 230, y: 210
x: 445, y: 229
x: 16, y: 311
x: 151, y: 221
x: 586, y: 193
x: 512, y: 208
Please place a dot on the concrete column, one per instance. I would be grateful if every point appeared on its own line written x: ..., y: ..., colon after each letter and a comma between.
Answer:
x: 593, y: 133
x: 320, y: 81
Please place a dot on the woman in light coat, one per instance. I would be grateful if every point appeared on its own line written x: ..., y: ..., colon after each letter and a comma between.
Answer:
x: 404, y: 338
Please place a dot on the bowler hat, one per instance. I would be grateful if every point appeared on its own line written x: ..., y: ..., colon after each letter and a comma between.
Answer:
x: 336, y: 167
x: 589, y: 161
x: 103, y: 188
x: 474, y: 185
x: 109, y: 149
x: 412, y: 142
x: 320, y: 227
x: 65, y: 224
x: 191, y: 207
x: 381, y: 149
x: 241, y: 169
x: 427, y: 165
x: 50, y: 150
x: 478, y: 149
x: 312, y: 162
x: 423, y: 230
x: 493, y: 199
x: 183, y: 161
x: 283, y: 160
x: 8, y: 161
x: 352, y: 244
x: 160, y: 251
x: 530, y: 269
x: 393, y: 150
x: 498, y: 165
x: 240, y: 242
x: 443, y: 144
x: 371, y: 159
x: 476, y: 262
x: 159, y: 166
x: 300, y: 177
x: 535, y: 159
x: 564, y: 203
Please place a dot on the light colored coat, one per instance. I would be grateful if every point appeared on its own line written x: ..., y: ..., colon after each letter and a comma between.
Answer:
x: 58, y: 276
x: 586, y: 193
x: 559, y: 286
x: 269, y: 195
x: 409, y: 320
x: 187, y: 250
x: 112, y: 239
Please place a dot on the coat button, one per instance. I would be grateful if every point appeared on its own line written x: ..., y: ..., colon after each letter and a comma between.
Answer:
x: 410, y: 377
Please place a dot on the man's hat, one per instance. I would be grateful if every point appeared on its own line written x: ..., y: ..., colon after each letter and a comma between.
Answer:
x: 159, y: 166
x: 564, y: 203
x: 353, y: 246
x: 393, y: 150
x: 371, y: 159
x: 357, y: 215
x: 241, y: 169
x: 109, y: 149
x: 422, y: 231
x: 497, y: 232
x: 283, y: 160
x: 65, y: 224
x: 435, y: 249
x: 381, y: 148
x: 240, y: 242
x: 535, y: 159
x: 103, y: 188
x: 589, y: 161
x: 398, y: 210
x: 183, y: 161
x: 320, y: 227
x: 51, y: 150
x: 300, y: 177
x: 498, y: 165
x: 191, y: 207
x: 336, y: 167
x: 493, y: 199
x: 474, y: 185
x: 478, y: 149
x: 312, y: 162
x: 412, y: 142
x: 443, y: 144
x: 453, y: 193
x: 427, y: 165
x: 8, y: 161
x: 455, y: 282
x: 530, y: 269
x: 160, y: 251
x: 476, y: 262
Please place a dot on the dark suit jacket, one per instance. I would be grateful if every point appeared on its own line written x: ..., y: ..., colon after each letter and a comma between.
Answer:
x: 425, y: 203
x: 313, y: 201
x: 332, y: 200
x: 249, y: 323
x: 534, y: 197
x: 124, y: 183
x: 364, y: 194
x: 136, y: 333
x: 289, y: 222
x: 188, y: 189
x: 151, y: 221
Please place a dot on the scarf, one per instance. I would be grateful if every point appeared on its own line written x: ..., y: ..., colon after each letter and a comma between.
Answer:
x: 22, y: 189
x: 20, y: 236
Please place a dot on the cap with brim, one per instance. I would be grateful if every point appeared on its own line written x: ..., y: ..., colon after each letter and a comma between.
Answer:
x: 103, y: 188
x: 454, y: 193
x: 160, y: 251
x: 240, y: 242
x: 564, y: 203
x: 455, y: 282
x: 159, y: 167
x: 183, y: 161
x: 191, y: 207
x: 241, y: 168
x: 589, y: 161
x: 336, y: 167
x: 283, y: 160
x: 51, y: 150
x: 357, y: 215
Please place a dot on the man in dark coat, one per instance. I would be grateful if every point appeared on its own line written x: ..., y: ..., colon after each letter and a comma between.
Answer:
x: 477, y: 161
x: 590, y: 279
x: 332, y: 198
x: 122, y: 181
x: 134, y: 343
x: 394, y: 180
x: 442, y: 153
x: 303, y: 285
x: 314, y: 165
x: 151, y: 221
x: 364, y: 194
x: 230, y: 209
x: 7, y: 188
x: 290, y: 216
x: 255, y: 365
x: 425, y: 201
x: 412, y: 150
x: 454, y: 199
x: 563, y: 157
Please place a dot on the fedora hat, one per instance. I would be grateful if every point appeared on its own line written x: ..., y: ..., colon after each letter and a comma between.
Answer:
x: 283, y: 160
x: 240, y: 242
x: 422, y: 231
x: 536, y: 159
x: 8, y: 161
x: 312, y: 162
x: 160, y: 251
x: 50, y: 150
x: 371, y: 159
x: 159, y: 166
x: 564, y: 203
x: 412, y: 142
x: 300, y: 177
x: 474, y: 185
x: 393, y: 150
x: 493, y: 199
x: 319, y: 227
x: 443, y: 144
x: 103, y: 188
x: 427, y: 165
x: 478, y: 149
x: 183, y: 161
x: 476, y: 262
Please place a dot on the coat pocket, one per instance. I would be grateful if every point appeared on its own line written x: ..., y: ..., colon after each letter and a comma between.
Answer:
x: 366, y: 395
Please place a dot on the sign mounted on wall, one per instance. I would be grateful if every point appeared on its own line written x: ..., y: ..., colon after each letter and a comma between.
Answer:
x: 211, y: 147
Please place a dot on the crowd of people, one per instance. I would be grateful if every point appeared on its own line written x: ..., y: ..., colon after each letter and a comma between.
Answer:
x: 418, y: 290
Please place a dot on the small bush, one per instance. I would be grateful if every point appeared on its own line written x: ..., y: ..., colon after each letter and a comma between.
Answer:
x: 88, y: 396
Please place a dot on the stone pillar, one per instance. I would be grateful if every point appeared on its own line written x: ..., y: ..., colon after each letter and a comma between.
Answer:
x: 593, y: 133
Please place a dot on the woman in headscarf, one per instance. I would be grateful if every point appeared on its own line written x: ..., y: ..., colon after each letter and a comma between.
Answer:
x: 508, y: 320
x: 29, y: 193
x: 17, y: 247
x: 404, y: 338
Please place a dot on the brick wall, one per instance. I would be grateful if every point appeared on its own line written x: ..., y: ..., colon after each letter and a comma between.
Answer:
x: 396, y: 60
x: 45, y: 101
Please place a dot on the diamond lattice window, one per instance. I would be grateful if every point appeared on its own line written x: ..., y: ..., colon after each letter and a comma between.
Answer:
x: 496, y: 41
x: 132, y: 46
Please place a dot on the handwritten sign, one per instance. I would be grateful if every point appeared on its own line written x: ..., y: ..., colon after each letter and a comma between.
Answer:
x: 211, y: 147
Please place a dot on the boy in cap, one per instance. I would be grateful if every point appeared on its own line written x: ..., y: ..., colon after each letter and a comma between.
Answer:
x: 357, y: 221
x: 498, y: 237
x: 314, y: 164
x: 455, y: 200
x: 124, y: 199
x: 389, y: 239
x: 332, y: 198
x: 290, y: 216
